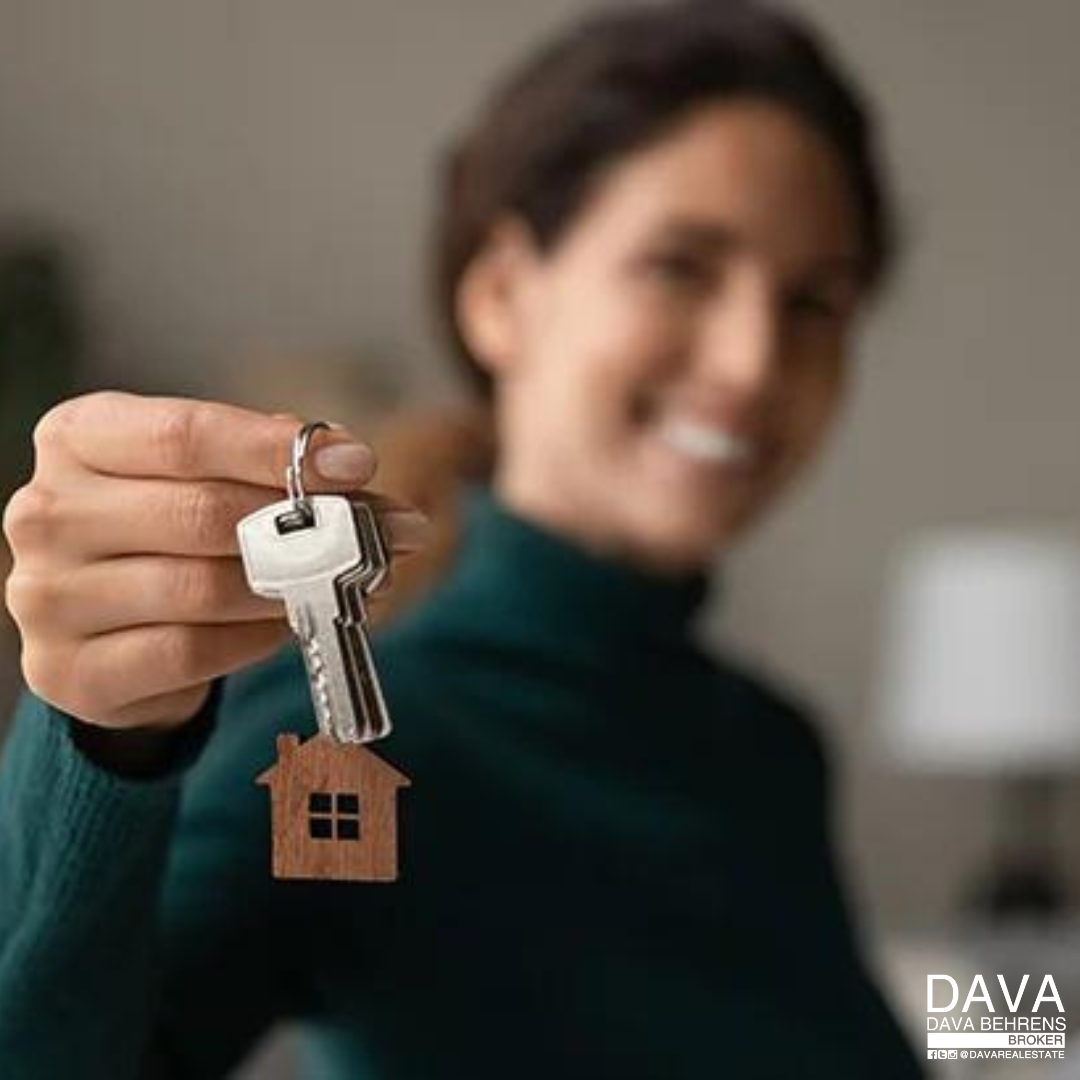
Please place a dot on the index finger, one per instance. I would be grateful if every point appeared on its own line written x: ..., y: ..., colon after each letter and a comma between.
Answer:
x: 124, y: 434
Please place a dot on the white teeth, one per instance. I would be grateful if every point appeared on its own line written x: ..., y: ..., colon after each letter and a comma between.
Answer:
x: 704, y: 442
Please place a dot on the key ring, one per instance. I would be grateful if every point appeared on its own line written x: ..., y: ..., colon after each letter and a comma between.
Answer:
x: 294, y: 474
x: 300, y: 515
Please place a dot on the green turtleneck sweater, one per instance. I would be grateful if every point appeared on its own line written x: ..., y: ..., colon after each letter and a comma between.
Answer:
x: 615, y: 862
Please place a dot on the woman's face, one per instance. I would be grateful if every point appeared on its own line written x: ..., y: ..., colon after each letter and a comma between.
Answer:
x: 667, y: 368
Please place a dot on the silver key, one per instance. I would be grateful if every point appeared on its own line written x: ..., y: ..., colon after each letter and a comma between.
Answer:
x: 322, y: 557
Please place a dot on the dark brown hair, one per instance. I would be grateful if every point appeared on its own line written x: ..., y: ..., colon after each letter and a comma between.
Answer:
x: 612, y: 83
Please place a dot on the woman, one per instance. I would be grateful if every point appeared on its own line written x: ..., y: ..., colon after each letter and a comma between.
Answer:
x: 653, y: 249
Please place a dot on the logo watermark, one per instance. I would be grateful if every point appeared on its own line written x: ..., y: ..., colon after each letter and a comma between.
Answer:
x: 1008, y: 1033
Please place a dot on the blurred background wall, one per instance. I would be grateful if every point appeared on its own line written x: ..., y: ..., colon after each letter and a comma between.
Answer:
x: 247, y: 183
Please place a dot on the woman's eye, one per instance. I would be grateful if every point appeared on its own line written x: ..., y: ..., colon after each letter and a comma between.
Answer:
x: 681, y: 270
x: 813, y: 305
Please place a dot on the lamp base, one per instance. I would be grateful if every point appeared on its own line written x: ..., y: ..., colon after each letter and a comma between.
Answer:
x: 1018, y: 890
x: 1024, y: 878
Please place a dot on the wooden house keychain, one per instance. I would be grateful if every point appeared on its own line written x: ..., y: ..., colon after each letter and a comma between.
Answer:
x: 333, y: 802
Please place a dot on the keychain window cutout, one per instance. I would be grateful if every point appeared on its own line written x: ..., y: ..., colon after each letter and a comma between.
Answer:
x: 331, y: 816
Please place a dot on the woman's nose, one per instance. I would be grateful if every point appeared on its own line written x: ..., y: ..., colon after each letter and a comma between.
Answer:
x: 740, y: 341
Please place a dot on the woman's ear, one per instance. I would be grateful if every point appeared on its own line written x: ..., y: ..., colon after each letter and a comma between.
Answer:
x: 490, y: 301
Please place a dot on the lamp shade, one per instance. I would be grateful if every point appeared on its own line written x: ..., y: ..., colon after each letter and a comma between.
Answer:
x: 980, y: 661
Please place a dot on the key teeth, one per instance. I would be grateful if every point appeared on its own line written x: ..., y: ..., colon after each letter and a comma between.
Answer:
x: 317, y: 681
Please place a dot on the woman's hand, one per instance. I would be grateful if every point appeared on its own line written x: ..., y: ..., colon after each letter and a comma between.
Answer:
x: 127, y: 584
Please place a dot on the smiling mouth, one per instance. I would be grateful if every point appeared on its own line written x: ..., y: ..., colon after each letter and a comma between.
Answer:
x: 708, y: 443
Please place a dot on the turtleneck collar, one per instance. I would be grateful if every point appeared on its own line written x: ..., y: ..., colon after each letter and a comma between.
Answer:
x: 538, y: 582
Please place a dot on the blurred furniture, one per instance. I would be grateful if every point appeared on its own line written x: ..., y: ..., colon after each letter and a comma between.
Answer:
x: 980, y: 673
x: 426, y: 458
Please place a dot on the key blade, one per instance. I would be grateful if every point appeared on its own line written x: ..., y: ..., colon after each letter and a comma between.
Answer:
x: 304, y: 623
x: 345, y: 687
x: 372, y: 714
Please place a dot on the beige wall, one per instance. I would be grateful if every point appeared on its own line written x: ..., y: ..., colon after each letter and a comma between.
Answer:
x: 252, y: 177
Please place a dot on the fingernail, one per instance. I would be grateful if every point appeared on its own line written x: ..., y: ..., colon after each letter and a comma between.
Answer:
x: 407, y: 528
x: 346, y: 461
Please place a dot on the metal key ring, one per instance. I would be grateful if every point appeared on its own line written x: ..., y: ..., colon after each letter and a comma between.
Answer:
x: 294, y: 473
